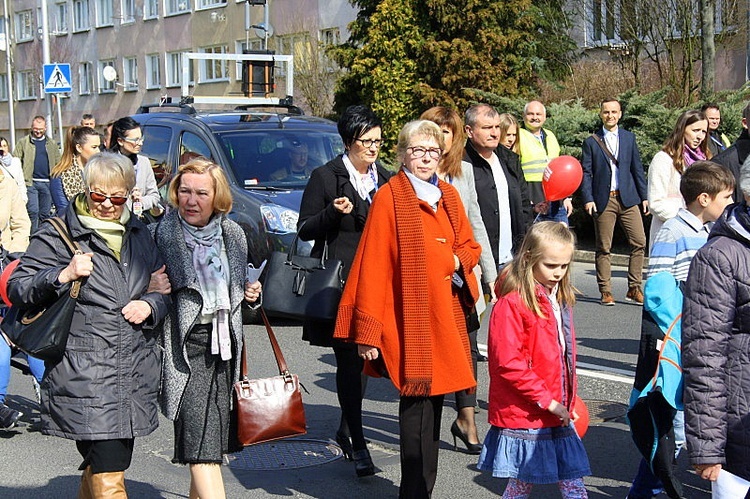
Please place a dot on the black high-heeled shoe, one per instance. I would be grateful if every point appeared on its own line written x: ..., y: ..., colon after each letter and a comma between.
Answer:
x: 363, y: 464
x: 458, y: 434
x: 345, y: 443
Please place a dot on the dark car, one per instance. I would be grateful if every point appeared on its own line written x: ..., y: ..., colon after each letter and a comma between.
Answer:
x: 267, y: 158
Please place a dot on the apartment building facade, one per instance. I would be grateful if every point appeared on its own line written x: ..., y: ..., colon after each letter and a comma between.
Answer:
x: 143, y: 40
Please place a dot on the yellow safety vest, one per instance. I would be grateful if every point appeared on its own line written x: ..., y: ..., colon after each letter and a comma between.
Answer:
x: 534, y: 158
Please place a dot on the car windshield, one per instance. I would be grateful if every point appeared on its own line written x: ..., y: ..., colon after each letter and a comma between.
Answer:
x: 279, y: 158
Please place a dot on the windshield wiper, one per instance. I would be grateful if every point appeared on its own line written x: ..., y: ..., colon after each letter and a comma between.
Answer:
x: 258, y: 187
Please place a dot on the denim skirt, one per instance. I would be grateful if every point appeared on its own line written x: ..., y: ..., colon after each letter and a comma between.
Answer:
x: 544, y: 455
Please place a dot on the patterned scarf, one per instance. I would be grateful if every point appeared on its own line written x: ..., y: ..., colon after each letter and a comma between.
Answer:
x: 205, y: 243
x: 690, y: 156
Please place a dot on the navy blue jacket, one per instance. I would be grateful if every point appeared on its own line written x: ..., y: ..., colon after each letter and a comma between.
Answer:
x: 597, y: 174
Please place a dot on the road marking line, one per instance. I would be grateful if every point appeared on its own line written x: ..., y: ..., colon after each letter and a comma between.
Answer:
x: 593, y: 370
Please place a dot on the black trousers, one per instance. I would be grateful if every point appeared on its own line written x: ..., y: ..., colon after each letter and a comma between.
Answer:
x: 419, y: 428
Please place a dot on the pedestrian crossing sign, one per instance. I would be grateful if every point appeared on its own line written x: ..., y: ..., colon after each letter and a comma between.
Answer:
x: 57, y: 78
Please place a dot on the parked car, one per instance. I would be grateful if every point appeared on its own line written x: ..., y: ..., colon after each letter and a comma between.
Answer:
x: 267, y: 157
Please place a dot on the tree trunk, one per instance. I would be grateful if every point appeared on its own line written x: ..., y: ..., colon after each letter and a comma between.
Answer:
x: 708, y: 48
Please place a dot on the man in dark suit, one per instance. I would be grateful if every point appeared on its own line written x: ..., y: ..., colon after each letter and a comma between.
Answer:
x: 614, y: 188
x: 735, y: 155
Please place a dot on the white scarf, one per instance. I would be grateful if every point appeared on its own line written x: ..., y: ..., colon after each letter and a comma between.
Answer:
x: 362, y: 184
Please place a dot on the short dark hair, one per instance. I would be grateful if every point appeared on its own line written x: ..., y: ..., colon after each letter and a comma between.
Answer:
x: 705, y: 176
x: 87, y: 116
x: 610, y: 99
x: 119, y: 129
x: 357, y: 121
x: 710, y: 105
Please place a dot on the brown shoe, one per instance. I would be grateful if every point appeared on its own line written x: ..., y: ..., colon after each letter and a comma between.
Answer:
x: 607, y: 299
x: 635, y: 295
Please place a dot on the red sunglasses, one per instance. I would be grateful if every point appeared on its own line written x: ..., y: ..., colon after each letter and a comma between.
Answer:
x: 98, y: 197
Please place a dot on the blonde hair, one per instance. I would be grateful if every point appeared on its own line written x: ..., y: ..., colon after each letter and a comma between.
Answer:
x: 200, y: 166
x: 108, y: 169
x: 506, y: 121
x: 519, y: 274
x: 419, y: 128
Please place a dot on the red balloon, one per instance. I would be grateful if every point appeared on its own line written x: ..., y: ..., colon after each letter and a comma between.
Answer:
x: 561, y: 178
x: 7, y: 271
x: 582, y: 423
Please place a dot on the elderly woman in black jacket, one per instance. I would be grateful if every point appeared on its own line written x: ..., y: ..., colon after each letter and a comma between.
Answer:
x: 206, y: 256
x: 333, y: 212
x: 103, y: 393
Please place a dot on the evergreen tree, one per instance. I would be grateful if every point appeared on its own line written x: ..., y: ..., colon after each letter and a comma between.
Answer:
x: 404, y: 56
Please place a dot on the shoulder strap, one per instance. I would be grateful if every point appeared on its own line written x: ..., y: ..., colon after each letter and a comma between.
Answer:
x: 604, y: 147
x: 61, y: 228
x: 280, y: 361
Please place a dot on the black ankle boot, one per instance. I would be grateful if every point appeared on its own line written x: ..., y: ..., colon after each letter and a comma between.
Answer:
x: 363, y: 464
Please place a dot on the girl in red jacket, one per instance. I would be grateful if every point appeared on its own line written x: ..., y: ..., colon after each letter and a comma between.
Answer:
x: 532, y: 370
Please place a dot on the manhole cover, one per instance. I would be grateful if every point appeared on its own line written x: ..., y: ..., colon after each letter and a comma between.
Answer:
x: 285, y: 454
x: 601, y: 411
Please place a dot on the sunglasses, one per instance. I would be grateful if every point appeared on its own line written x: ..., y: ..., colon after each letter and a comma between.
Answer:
x: 98, y: 197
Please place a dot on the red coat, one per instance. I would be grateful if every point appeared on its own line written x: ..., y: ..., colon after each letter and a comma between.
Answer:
x: 374, y: 310
x: 527, y: 366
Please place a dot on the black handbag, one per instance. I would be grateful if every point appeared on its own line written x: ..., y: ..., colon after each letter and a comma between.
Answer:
x: 42, y: 331
x: 302, y: 287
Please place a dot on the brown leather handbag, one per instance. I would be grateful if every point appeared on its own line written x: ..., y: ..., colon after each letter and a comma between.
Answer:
x: 270, y: 408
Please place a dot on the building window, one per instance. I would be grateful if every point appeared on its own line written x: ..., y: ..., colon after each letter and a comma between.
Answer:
x: 61, y: 18
x: 172, y: 7
x: 105, y: 86
x: 330, y: 36
x: 85, y: 78
x: 27, y: 85
x: 205, y: 4
x: 3, y: 88
x: 296, y: 44
x: 104, y: 13
x: 130, y: 73
x: 153, y: 71
x: 81, y: 20
x: 24, y: 26
x: 150, y: 9
x: 603, y: 20
x: 127, y: 9
x: 174, y: 70
x: 211, y: 70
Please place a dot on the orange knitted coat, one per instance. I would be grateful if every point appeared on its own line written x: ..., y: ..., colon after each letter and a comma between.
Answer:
x: 399, y: 296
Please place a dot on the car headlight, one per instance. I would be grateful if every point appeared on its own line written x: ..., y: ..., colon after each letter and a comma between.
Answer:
x: 279, y: 220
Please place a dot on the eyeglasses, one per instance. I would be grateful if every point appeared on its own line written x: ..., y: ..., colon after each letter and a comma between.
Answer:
x: 419, y: 152
x: 98, y: 197
x: 368, y: 143
x: 139, y: 140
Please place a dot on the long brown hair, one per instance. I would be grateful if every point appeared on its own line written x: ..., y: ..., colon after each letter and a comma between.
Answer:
x: 76, y: 136
x: 675, y: 143
x: 506, y: 121
x: 450, y: 162
x: 519, y: 274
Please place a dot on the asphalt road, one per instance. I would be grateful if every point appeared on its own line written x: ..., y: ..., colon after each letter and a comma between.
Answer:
x: 33, y: 465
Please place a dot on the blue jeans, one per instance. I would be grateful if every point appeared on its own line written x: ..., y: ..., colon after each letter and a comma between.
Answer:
x: 39, y: 204
x: 556, y: 213
x: 645, y: 484
x: 36, y: 366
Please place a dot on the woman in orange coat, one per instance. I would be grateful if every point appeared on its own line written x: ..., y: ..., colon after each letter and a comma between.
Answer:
x: 405, y: 300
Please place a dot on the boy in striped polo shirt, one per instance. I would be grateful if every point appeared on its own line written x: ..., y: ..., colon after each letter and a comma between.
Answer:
x: 707, y: 189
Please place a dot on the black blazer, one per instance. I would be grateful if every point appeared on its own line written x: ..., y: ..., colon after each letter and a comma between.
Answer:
x: 518, y: 195
x: 597, y: 174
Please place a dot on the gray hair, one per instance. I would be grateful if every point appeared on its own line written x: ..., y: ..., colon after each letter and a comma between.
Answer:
x: 110, y: 169
x: 471, y: 115
x: 526, y: 107
x: 418, y: 128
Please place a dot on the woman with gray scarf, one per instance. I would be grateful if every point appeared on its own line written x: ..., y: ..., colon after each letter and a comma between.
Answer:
x: 206, y: 257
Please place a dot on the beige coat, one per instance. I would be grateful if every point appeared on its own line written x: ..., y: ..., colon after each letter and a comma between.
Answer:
x: 14, y: 219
